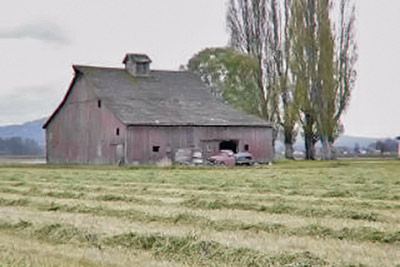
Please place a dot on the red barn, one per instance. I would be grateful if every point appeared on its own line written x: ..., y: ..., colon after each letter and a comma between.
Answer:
x: 135, y: 115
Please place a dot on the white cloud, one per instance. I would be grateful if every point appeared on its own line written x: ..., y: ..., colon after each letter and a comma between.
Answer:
x: 43, y: 31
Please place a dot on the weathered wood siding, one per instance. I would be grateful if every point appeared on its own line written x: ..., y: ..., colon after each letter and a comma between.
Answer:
x: 142, y: 139
x: 84, y: 133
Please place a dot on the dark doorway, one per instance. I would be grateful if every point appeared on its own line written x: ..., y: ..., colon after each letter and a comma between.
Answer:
x: 228, y: 145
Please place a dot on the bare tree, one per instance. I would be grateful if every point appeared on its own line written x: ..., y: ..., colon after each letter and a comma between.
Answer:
x: 247, y: 22
x: 289, y: 111
x: 260, y: 28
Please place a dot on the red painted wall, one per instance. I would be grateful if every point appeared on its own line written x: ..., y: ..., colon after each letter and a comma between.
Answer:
x: 141, y: 139
x: 83, y: 133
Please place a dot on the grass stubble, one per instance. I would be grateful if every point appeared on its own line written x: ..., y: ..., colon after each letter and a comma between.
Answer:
x: 299, y: 213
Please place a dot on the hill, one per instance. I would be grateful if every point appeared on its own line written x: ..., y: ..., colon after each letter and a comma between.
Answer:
x: 351, y: 141
x: 29, y: 130
x: 342, y: 141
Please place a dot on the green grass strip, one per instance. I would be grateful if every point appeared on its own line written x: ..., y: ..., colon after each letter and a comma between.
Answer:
x: 356, y: 234
x: 191, y: 251
x: 187, y: 249
x: 14, y: 202
x: 281, y: 208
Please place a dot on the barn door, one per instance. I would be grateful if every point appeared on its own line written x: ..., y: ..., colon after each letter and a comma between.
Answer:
x: 209, y: 148
x: 119, y: 154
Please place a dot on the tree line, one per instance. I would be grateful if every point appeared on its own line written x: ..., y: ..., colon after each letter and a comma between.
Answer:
x: 289, y: 62
x: 19, y: 146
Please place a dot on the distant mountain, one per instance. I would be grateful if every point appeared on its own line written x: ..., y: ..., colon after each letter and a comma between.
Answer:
x: 32, y: 130
x: 342, y: 141
x: 351, y: 141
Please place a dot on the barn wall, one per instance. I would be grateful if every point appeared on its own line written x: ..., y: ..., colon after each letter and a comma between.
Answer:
x: 142, y: 139
x: 83, y: 133
x: 258, y: 139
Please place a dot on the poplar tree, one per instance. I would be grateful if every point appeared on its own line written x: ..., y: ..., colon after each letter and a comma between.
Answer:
x: 324, y: 56
x: 345, y: 56
x: 303, y: 65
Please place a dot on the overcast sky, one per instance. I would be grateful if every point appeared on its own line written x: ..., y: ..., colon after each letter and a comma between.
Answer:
x: 41, y: 39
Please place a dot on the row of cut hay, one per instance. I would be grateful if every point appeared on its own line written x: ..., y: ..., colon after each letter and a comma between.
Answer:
x: 134, y: 212
x: 227, y: 233
x: 271, y: 203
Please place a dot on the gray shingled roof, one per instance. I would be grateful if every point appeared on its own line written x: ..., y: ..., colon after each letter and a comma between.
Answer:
x: 162, y: 98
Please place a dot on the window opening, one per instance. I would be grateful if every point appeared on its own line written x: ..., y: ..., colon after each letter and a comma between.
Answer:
x: 99, y: 103
x: 156, y: 148
x: 141, y: 68
x: 246, y: 147
x: 117, y: 131
x: 228, y: 145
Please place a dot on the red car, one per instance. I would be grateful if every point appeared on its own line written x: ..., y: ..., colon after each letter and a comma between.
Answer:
x: 223, y: 157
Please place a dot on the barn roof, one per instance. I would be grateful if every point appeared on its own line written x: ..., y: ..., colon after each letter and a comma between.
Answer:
x: 162, y: 98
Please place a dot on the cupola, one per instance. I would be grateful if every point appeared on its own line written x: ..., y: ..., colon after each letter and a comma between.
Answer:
x: 137, y: 64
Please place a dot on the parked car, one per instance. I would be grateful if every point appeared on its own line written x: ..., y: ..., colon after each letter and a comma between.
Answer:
x: 223, y: 157
x: 244, y: 158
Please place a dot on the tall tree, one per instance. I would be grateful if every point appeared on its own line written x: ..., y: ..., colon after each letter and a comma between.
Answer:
x: 325, y: 97
x: 303, y: 65
x: 306, y: 63
x: 323, y: 65
x: 260, y: 28
x: 249, y: 27
x: 281, y: 76
x: 344, y: 73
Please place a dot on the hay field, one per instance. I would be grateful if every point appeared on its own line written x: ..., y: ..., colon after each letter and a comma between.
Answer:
x: 344, y: 213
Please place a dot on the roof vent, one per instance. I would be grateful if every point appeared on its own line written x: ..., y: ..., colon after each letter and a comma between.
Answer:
x: 137, y: 64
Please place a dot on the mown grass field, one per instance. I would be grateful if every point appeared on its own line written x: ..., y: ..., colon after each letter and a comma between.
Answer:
x: 344, y: 213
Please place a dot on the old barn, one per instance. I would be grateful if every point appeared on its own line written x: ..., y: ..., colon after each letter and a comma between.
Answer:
x: 135, y: 115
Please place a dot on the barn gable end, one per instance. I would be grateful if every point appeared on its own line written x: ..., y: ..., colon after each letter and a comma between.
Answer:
x: 83, y: 130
